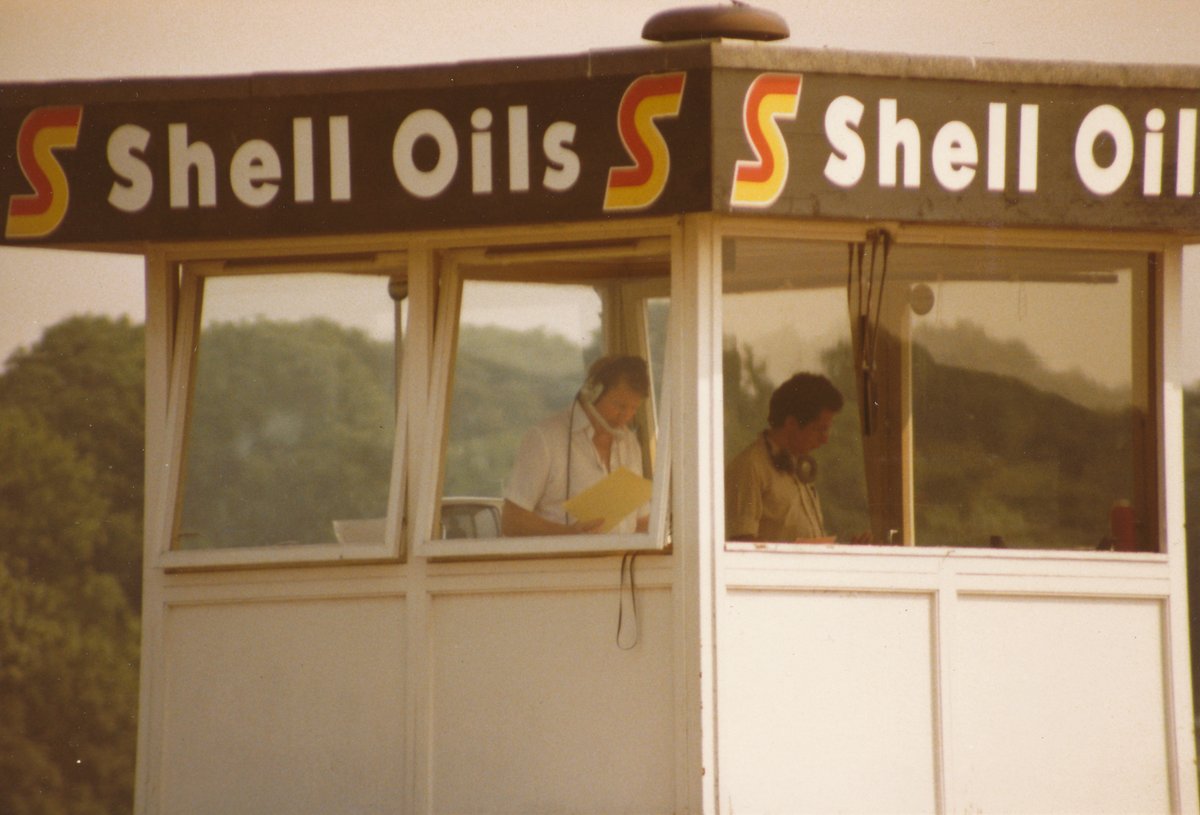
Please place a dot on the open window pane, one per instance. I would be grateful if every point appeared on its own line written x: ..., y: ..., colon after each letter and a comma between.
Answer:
x: 293, y: 411
x: 519, y: 430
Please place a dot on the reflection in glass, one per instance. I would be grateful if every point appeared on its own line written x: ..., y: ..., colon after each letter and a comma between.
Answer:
x: 784, y: 311
x: 1012, y: 390
x: 1026, y: 423
x: 522, y: 356
x: 292, y: 417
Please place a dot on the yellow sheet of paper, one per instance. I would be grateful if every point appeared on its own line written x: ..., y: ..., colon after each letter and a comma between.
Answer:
x: 611, y: 498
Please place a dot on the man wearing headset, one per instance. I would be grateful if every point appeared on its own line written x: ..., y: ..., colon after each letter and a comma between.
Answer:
x: 572, y: 450
x: 769, y: 491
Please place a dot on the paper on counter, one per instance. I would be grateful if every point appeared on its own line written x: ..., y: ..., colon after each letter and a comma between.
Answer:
x: 613, y: 498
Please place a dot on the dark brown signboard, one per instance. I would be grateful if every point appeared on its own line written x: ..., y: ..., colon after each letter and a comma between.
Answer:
x: 114, y: 163
x: 956, y: 151
x: 378, y: 161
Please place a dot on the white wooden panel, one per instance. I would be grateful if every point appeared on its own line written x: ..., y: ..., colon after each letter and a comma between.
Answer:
x: 289, y: 707
x: 1059, y: 705
x: 826, y: 703
x: 536, y: 709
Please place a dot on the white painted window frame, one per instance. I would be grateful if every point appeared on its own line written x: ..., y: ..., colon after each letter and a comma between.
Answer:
x: 429, y: 441
x: 1162, y: 391
x: 164, y: 519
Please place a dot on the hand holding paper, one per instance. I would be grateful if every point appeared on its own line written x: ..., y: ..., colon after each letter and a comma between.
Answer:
x: 612, y: 498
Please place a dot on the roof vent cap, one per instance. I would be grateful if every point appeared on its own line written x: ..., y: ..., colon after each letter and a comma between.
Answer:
x: 736, y: 21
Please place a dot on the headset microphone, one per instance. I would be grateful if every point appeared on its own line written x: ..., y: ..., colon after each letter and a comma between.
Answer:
x: 589, y: 407
x: 587, y: 397
x: 590, y: 394
x: 591, y: 391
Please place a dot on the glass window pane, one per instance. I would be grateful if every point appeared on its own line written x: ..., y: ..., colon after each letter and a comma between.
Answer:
x: 784, y: 312
x: 517, y: 428
x: 1011, y: 392
x: 1029, y: 407
x: 292, y: 417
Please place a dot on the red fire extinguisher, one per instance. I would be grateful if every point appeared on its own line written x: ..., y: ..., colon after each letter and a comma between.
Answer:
x: 1122, y: 522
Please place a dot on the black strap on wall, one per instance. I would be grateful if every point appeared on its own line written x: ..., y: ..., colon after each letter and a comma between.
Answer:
x: 627, y: 643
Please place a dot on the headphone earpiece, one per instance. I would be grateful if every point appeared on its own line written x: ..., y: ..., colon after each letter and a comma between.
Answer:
x: 782, y: 462
x: 591, y: 391
x: 806, y: 469
x: 598, y: 379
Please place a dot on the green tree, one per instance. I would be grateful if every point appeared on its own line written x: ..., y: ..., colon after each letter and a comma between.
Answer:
x: 68, y: 695
x: 998, y: 456
x: 68, y: 636
x: 747, y: 392
x: 84, y: 378
x: 292, y: 427
x: 505, y: 382
x: 51, y: 514
x: 843, y: 474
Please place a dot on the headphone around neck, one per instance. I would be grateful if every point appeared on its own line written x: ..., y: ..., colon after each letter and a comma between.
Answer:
x: 803, y: 467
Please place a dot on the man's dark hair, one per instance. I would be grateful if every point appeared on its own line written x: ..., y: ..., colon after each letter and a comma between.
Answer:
x: 803, y: 397
x: 608, y: 372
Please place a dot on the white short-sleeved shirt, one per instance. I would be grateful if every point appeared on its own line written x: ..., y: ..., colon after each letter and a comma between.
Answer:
x: 539, y: 480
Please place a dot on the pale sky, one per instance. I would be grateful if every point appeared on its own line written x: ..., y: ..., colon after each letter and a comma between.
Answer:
x: 46, y: 40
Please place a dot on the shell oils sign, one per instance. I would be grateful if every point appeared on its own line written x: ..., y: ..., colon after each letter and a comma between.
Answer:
x: 160, y: 160
x: 925, y: 150
x: 228, y: 160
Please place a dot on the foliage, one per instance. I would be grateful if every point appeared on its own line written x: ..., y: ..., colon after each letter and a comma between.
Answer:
x: 504, y: 383
x: 68, y: 693
x: 747, y: 391
x: 998, y: 456
x: 84, y: 379
x: 966, y: 345
x: 68, y: 635
x: 94, y: 367
x: 292, y: 427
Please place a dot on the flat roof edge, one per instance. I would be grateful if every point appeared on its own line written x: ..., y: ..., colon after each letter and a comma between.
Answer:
x: 513, y: 70
x: 696, y: 54
x: 1001, y: 70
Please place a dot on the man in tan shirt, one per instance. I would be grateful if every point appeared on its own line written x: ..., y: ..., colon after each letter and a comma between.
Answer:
x: 769, y: 491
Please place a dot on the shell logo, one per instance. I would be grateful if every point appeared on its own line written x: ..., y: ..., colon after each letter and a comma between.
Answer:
x: 647, y: 99
x: 758, y: 182
x: 44, y: 131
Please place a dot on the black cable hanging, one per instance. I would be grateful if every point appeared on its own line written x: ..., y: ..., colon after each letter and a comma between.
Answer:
x: 864, y: 297
x: 628, y: 558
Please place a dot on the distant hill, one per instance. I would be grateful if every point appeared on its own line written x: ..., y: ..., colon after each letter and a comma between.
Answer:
x: 996, y: 455
x: 967, y: 345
